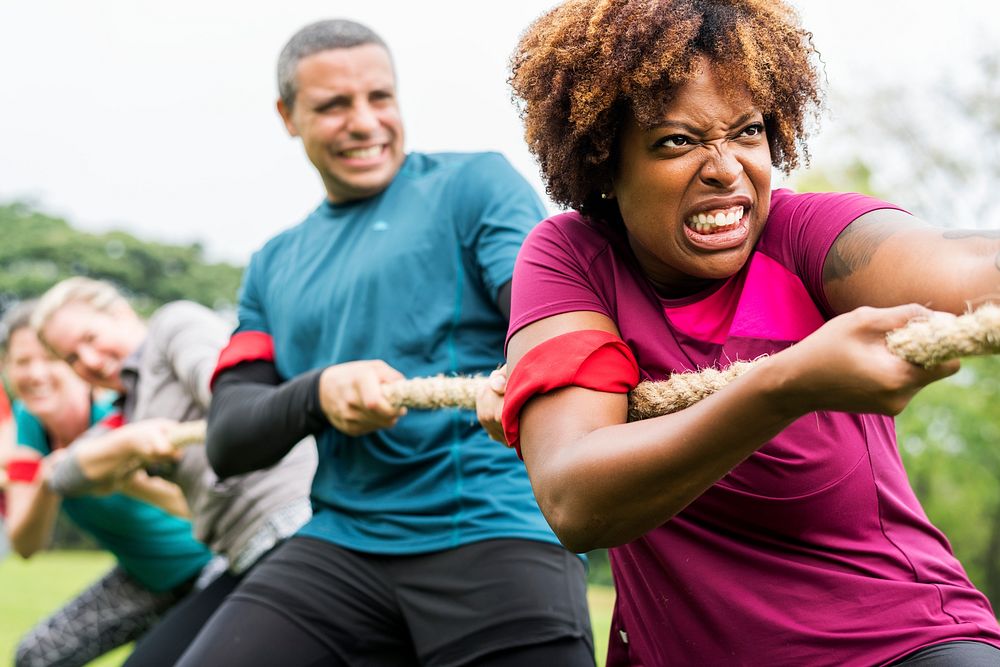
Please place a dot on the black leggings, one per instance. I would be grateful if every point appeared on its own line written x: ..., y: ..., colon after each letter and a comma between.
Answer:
x: 168, y: 639
x: 222, y: 643
x: 111, y: 612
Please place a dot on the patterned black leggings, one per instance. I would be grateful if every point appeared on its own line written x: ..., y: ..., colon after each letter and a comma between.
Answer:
x: 112, y: 612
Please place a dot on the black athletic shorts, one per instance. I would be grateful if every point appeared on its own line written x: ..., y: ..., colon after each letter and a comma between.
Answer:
x: 439, y: 609
x: 954, y: 654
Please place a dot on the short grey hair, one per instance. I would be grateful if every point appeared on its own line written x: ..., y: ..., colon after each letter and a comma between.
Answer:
x: 317, y: 37
x: 16, y: 318
x: 97, y: 294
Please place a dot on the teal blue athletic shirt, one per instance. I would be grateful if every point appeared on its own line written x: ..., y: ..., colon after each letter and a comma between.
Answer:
x: 154, y: 547
x: 411, y: 277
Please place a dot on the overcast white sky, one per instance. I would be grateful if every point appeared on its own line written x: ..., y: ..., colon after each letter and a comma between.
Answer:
x: 158, y: 117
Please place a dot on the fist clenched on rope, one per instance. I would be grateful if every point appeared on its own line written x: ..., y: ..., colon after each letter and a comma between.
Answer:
x: 352, y: 399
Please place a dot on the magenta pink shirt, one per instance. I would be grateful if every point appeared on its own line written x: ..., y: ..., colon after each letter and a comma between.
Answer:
x: 814, y: 551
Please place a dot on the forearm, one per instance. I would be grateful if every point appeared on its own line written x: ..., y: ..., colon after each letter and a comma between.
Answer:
x: 254, y: 421
x: 106, y: 457
x: 31, y: 516
x: 601, y: 482
x: 157, y: 491
x: 612, y: 484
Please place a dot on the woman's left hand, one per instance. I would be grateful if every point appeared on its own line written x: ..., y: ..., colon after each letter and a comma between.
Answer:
x: 489, y: 404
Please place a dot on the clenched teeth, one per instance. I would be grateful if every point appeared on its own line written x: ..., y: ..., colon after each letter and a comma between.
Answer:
x: 714, y: 222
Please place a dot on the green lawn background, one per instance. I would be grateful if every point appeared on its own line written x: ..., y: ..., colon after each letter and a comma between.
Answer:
x: 30, y: 590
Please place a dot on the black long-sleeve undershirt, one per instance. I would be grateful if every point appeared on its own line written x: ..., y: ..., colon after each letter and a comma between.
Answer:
x: 256, y: 417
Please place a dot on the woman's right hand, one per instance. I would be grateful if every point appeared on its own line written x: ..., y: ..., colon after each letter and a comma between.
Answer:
x: 845, y: 365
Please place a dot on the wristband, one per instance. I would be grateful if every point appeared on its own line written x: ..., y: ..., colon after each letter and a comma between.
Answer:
x: 23, y: 470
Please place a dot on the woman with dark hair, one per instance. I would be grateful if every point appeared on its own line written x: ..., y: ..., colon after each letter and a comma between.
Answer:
x: 158, y: 559
x: 772, y: 522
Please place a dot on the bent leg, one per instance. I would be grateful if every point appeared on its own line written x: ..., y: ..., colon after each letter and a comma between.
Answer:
x: 244, y: 632
x: 569, y: 652
x: 496, y: 598
x: 167, y: 641
x: 307, y: 593
x: 110, y: 613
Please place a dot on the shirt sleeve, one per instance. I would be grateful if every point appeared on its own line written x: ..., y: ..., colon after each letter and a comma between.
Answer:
x: 554, y: 272
x: 252, y: 340
x: 801, y: 229
x: 498, y: 210
x: 29, y: 431
x: 190, y: 336
x: 250, y: 311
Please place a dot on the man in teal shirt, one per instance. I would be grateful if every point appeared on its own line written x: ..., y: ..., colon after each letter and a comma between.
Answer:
x: 426, y: 545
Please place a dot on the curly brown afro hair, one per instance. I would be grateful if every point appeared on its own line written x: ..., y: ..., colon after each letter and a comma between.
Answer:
x: 580, y: 69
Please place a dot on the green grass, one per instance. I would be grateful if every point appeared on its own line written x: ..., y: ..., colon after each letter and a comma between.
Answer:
x: 30, y: 590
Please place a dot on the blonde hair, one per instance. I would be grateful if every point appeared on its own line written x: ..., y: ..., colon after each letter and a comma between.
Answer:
x: 97, y: 294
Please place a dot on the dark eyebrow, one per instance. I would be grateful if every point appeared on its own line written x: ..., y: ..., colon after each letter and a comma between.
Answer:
x: 333, y: 101
x: 691, y: 129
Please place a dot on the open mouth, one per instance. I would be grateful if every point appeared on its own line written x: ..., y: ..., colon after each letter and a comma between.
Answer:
x: 715, y: 222
x: 363, y: 153
x: 36, y: 393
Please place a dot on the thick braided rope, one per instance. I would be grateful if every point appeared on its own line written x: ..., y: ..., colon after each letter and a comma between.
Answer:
x: 187, y: 433
x: 925, y: 342
x: 943, y: 336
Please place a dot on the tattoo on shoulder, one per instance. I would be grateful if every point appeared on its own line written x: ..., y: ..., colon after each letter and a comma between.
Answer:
x: 854, y: 248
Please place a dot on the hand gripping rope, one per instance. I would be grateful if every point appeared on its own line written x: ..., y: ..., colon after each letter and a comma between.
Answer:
x: 925, y: 342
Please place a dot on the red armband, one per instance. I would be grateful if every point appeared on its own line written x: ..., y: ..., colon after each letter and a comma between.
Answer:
x: 244, y: 346
x: 23, y: 470
x: 590, y: 359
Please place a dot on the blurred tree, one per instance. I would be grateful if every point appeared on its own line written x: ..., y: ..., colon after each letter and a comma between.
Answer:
x: 935, y: 151
x: 38, y: 250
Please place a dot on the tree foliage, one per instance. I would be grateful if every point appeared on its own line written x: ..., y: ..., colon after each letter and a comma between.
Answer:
x: 38, y: 250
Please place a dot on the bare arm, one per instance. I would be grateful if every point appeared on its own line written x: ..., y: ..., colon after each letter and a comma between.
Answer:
x: 602, y: 482
x: 156, y: 491
x: 32, y: 508
x: 887, y: 258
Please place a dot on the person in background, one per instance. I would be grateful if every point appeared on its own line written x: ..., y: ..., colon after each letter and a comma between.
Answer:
x: 773, y: 522
x: 158, y: 559
x: 426, y: 546
x: 161, y: 370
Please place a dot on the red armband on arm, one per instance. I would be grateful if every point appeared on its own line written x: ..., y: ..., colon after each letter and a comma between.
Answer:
x: 590, y: 359
x: 244, y: 346
x: 23, y: 470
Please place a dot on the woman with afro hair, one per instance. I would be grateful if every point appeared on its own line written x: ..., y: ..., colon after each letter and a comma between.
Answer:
x: 771, y: 523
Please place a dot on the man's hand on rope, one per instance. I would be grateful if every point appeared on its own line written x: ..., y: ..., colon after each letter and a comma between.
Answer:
x: 489, y: 404
x: 352, y: 399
